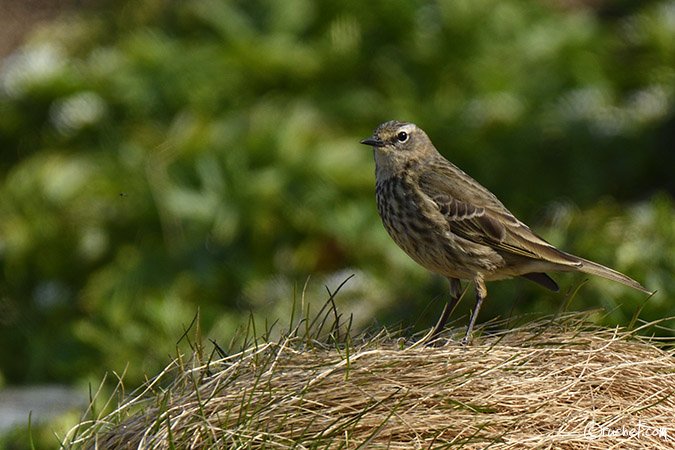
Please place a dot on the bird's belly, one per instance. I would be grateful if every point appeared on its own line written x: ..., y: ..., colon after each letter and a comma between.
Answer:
x: 430, y: 241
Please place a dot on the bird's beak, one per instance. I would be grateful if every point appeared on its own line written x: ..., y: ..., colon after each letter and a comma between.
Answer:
x: 374, y: 141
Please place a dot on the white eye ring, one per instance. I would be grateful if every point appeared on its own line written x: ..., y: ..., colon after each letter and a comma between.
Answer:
x: 402, y: 136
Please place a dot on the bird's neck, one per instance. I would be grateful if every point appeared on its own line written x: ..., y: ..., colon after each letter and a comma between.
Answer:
x: 390, y: 165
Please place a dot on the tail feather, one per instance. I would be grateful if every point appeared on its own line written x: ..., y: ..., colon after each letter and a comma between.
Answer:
x: 543, y: 280
x: 610, y: 274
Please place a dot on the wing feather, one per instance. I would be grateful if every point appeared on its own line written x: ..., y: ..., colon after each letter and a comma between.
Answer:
x: 477, y: 215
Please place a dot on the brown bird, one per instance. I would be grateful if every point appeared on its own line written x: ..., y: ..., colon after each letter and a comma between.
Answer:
x: 451, y: 225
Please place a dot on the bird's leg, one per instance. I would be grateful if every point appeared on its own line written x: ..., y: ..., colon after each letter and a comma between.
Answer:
x: 455, y: 295
x: 481, y: 293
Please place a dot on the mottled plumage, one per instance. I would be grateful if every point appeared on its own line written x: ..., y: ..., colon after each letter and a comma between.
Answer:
x: 451, y: 225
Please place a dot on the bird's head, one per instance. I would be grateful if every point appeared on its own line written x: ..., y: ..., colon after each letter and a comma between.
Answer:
x: 397, y: 145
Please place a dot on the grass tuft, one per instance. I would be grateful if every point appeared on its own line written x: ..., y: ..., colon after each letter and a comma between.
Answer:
x: 554, y: 382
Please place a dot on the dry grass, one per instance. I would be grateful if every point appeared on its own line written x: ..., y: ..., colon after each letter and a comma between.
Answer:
x: 550, y: 384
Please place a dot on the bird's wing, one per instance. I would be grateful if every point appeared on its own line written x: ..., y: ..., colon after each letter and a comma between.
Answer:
x: 475, y: 214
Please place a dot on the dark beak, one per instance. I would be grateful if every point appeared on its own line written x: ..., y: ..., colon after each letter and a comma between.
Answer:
x: 375, y: 142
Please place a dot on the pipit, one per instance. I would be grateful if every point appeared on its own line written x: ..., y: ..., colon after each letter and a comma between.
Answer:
x: 451, y: 225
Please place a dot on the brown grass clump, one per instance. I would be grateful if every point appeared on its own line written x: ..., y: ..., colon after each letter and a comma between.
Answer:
x: 559, y: 384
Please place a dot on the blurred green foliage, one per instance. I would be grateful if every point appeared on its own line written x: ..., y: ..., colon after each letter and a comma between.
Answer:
x: 162, y: 158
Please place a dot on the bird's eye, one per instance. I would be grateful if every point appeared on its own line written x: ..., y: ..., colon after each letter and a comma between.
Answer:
x: 402, y: 136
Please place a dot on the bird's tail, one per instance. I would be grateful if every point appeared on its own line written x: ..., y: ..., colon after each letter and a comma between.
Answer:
x: 610, y: 274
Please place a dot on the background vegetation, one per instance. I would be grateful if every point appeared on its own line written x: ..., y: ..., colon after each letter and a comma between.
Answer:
x: 164, y: 158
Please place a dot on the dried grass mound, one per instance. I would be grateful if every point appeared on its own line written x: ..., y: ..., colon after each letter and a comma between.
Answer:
x: 561, y: 384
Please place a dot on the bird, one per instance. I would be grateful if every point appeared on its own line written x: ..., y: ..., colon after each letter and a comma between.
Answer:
x: 451, y: 225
